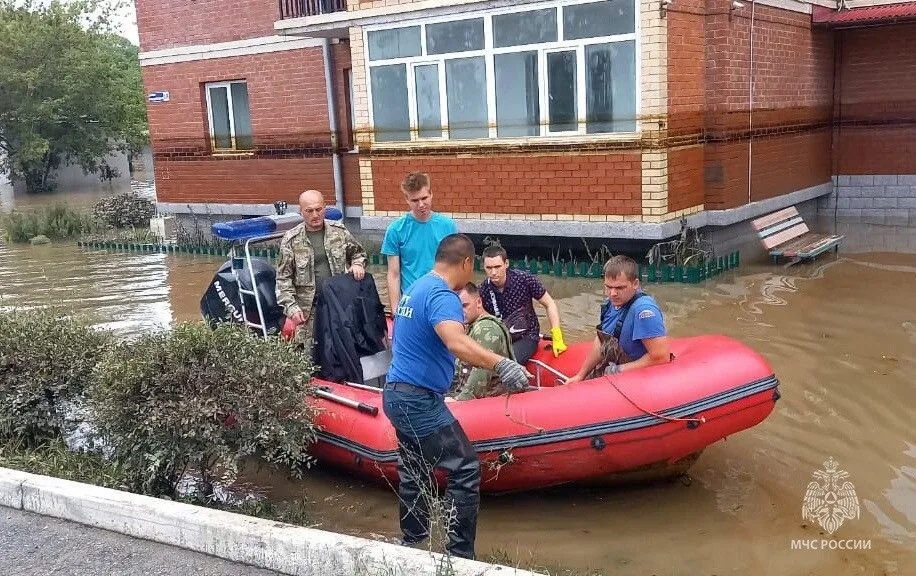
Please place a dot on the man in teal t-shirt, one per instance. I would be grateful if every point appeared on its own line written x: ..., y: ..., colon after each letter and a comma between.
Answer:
x: 411, y: 240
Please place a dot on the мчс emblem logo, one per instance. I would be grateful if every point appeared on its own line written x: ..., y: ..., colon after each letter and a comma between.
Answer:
x: 830, y: 498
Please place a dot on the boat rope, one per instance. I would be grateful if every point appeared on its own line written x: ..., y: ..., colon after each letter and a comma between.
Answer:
x: 700, y: 420
x: 512, y: 419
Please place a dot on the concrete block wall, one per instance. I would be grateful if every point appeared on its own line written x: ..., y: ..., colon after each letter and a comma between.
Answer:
x: 874, y: 199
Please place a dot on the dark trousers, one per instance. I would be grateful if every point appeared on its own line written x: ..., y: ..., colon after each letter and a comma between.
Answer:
x: 524, y: 349
x: 446, y: 448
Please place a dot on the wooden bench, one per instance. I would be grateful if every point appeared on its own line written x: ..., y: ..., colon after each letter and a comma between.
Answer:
x: 785, y: 234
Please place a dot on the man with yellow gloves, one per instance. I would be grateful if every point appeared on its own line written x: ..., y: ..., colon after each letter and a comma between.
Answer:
x: 508, y: 295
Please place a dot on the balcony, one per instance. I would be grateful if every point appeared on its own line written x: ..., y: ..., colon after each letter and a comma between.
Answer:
x: 306, y: 8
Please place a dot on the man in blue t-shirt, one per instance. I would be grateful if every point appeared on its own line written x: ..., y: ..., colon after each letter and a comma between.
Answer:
x: 428, y: 334
x: 631, y: 330
x: 411, y: 240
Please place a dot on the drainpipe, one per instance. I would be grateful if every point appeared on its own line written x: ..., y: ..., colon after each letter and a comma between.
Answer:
x: 332, y: 123
x: 750, y: 104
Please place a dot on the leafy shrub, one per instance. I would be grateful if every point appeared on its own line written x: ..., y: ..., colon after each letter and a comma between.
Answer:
x: 46, y: 362
x: 56, y: 222
x: 188, y: 405
x: 124, y: 210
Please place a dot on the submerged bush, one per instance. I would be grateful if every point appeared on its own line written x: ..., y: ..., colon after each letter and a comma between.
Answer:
x: 123, y: 210
x: 46, y: 362
x: 188, y: 405
x: 56, y: 222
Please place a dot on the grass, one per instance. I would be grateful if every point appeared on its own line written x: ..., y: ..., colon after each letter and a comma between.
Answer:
x: 55, y: 459
x: 89, y: 467
x: 57, y: 222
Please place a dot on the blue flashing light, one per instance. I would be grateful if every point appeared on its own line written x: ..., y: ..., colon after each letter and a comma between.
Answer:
x: 264, y: 225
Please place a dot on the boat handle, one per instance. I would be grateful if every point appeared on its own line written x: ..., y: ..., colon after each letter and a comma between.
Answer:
x: 541, y: 365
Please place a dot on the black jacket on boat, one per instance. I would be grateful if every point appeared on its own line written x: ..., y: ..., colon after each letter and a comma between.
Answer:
x: 349, y: 324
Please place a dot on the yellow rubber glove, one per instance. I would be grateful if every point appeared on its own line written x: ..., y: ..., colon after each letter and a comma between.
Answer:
x: 558, y: 345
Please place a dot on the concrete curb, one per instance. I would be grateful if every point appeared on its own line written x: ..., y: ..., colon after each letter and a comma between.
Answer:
x: 262, y: 543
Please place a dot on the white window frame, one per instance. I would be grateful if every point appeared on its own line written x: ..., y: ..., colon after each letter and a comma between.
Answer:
x: 414, y: 115
x: 489, y: 53
x: 228, y: 86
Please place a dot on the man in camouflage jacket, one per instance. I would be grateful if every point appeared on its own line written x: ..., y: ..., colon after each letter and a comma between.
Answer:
x: 492, y: 334
x: 309, y: 254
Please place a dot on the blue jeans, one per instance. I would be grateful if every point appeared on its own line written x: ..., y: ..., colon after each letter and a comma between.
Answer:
x: 416, y: 414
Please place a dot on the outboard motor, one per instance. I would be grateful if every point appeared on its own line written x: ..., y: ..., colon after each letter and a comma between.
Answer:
x: 222, y: 301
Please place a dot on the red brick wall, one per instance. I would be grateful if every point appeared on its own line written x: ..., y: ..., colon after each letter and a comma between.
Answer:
x: 784, y: 164
x: 247, y: 181
x: 171, y: 23
x: 793, y: 67
x: 289, y: 121
x: 793, y: 95
x: 286, y: 92
x: 353, y: 195
x: 340, y: 58
x: 686, y: 70
x: 519, y: 184
x: 781, y: 164
x: 685, y: 177
x: 877, y: 110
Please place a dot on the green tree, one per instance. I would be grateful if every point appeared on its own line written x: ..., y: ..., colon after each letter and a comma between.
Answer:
x: 70, y: 89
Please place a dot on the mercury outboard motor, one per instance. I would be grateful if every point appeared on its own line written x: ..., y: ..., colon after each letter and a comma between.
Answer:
x: 222, y: 301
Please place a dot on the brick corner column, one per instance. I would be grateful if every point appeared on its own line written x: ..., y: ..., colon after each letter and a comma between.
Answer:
x: 653, y: 115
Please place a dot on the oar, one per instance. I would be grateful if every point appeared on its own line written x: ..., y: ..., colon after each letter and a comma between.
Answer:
x: 324, y: 392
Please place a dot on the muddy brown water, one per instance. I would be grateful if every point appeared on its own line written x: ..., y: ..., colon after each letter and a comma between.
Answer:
x: 839, y: 333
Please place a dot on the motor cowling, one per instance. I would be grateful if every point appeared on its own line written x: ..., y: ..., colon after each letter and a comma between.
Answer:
x: 222, y: 301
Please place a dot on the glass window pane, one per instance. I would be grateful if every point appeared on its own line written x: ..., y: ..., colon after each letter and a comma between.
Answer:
x: 219, y: 115
x: 599, y: 19
x: 429, y: 114
x: 241, y: 116
x: 530, y: 27
x: 610, y: 83
x: 389, y: 103
x: 466, y: 89
x: 518, y: 110
x: 458, y: 36
x: 561, y: 87
x: 394, y: 43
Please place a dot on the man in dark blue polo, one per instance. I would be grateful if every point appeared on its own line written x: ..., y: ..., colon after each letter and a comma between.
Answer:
x: 428, y: 334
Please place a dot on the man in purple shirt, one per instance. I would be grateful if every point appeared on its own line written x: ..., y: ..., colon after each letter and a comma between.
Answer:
x: 508, y: 294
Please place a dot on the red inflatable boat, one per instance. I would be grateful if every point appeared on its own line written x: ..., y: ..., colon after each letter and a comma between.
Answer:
x: 653, y: 419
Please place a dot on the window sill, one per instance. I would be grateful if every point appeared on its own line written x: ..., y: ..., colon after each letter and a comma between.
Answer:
x: 232, y: 153
x: 534, y: 141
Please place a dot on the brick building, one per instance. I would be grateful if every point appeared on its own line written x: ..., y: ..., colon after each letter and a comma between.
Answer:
x: 593, y: 118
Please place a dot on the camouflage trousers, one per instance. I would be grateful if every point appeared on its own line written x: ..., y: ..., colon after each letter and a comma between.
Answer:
x: 305, y: 333
x: 611, y: 353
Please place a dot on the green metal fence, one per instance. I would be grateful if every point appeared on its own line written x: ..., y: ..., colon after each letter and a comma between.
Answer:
x: 560, y: 269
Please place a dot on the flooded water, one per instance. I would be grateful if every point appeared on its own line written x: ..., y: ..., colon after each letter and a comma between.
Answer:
x: 839, y: 333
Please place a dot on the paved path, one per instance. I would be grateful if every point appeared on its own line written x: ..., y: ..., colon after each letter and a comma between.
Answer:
x: 33, y: 545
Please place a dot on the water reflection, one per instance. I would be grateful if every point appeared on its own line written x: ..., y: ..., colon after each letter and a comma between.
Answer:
x: 126, y: 293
